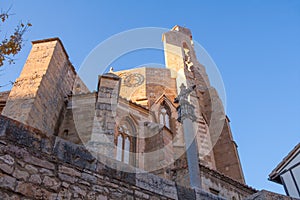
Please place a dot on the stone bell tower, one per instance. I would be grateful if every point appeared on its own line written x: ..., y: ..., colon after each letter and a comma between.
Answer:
x: 181, y: 59
x: 216, y: 148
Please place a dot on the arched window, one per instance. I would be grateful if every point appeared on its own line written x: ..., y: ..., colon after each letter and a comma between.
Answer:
x: 164, y: 115
x: 124, y: 141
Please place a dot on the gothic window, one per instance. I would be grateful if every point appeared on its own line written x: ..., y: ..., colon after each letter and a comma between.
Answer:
x: 124, y: 141
x: 164, y: 115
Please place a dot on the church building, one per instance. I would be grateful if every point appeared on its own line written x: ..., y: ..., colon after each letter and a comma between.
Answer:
x: 168, y: 123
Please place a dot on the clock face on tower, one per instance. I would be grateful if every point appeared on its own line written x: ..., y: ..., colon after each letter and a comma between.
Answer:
x: 133, y: 80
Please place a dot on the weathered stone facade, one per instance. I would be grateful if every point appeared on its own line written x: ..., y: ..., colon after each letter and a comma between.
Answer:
x: 124, y: 141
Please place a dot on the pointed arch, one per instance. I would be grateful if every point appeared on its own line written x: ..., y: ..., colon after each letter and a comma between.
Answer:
x: 132, y: 122
x: 164, y: 98
x: 165, y: 111
x: 125, y: 140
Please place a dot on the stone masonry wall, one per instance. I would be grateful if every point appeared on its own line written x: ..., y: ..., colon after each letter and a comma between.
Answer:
x: 36, y: 166
x: 78, y: 119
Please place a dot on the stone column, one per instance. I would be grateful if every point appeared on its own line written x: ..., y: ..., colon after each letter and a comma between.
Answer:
x: 102, y: 138
x: 186, y: 116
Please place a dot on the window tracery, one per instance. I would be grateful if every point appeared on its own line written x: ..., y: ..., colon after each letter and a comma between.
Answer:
x: 124, y: 141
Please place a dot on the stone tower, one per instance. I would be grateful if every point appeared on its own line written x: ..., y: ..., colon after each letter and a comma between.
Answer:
x: 37, y: 97
x: 216, y: 147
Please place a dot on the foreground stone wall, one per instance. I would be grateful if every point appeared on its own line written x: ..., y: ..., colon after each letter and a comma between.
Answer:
x: 36, y: 166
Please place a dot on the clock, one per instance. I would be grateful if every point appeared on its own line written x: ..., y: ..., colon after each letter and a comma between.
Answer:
x: 133, y: 80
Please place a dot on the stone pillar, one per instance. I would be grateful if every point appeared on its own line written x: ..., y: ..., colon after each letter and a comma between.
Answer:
x: 102, y: 138
x: 187, y: 117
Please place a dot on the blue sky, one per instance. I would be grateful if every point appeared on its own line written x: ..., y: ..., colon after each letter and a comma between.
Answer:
x: 255, y: 44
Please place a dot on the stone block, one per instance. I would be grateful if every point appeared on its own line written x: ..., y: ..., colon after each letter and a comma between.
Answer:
x: 7, y: 159
x: 101, y: 197
x: 64, y: 184
x: 78, y: 191
x: 76, y: 155
x: 46, y: 172
x: 67, y: 178
x: 185, y: 193
x: 4, y: 195
x: 99, y: 188
x: 64, y: 194
x: 69, y: 171
x: 6, y: 168
x: 141, y: 195
x: 89, y: 178
x: 156, y: 184
x: 39, y: 162
x: 21, y: 174
x: 7, y: 182
x: 31, y: 169
x: 51, y: 183
x: 35, y: 178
